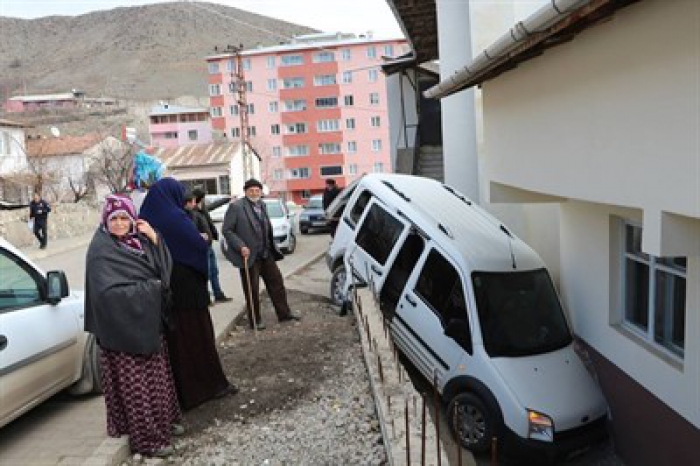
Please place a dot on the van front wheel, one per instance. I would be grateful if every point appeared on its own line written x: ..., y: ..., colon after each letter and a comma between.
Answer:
x: 471, y: 422
x: 337, y: 284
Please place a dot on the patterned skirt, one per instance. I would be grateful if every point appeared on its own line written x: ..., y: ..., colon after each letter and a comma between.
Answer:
x: 140, y: 397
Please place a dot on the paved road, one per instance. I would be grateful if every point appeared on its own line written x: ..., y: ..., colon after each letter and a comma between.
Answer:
x: 67, y: 430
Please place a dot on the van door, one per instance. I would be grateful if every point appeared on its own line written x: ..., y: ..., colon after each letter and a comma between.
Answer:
x: 376, y: 242
x: 432, y: 323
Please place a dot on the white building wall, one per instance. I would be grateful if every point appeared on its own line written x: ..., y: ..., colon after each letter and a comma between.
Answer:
x: 610, y: 120
x: 401, y: 112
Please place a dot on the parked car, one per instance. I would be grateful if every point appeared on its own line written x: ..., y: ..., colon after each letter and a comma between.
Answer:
x: 43, y: 348
x: 474, y: 310
x: 313, y: 217
x: 217, y: 205
x: 282, y: 224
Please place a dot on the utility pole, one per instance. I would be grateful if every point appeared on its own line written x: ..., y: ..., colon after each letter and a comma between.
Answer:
x: 238, y: 76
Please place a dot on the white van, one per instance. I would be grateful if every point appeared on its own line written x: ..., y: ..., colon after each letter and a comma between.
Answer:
x: 473, y: 308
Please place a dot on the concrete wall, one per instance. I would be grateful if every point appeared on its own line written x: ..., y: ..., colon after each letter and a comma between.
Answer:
x: 65, y: 221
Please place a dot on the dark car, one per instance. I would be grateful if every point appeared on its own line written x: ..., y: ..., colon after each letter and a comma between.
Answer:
x: 313, y: 217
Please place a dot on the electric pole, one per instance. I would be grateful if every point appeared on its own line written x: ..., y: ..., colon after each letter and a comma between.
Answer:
x: 238, y: 77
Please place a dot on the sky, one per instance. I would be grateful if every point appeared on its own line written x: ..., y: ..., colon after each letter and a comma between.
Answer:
x: 358, y: 16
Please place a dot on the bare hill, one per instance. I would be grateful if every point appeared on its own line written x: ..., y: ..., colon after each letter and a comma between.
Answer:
x: 143, y: 53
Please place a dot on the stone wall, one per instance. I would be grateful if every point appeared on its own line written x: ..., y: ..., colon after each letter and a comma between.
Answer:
x: 65, y: 221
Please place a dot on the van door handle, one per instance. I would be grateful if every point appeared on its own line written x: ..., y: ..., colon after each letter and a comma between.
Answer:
x: 3, y: 342
x: 377, y: 270
x: 411, y: 301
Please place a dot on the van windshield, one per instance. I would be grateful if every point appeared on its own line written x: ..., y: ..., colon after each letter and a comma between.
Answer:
x: 520, y: 313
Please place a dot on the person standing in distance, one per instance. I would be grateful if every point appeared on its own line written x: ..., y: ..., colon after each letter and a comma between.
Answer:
x: 39, y: 211
x: 329, y: 194
x: 248, y: 234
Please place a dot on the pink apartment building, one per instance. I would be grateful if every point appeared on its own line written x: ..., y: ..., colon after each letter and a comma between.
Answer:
x: 174, y: 126
x: 317, y: 109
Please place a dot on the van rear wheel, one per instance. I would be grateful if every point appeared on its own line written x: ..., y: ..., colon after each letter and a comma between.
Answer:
x: 471, y: 422
x: 337, y: 283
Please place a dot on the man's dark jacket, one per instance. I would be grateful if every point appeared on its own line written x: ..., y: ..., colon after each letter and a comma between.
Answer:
x: 39, y: 211
x: 240, y: 229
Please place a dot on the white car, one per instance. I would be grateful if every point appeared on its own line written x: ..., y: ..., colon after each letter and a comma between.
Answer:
x: 217, y: 205
x: 282, y: 225
x: 43, y: 348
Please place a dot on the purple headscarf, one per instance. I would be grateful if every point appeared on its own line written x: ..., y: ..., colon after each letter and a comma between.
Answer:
x: 118, y: 204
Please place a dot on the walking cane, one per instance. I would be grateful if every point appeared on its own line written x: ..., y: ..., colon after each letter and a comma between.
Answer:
x: 250, y: 297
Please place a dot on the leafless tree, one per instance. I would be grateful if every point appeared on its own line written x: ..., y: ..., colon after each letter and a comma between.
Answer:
x: 112, y: 166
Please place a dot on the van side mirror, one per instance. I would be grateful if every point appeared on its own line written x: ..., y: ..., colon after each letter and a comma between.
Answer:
x: 458, y: 330
x: 57, y: 286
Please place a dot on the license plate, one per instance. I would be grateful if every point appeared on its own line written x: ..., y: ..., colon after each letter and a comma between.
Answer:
x: 319, y: 224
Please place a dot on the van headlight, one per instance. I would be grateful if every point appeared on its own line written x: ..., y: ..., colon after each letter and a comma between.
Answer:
x: 280, y: 230
x: 540, y: 426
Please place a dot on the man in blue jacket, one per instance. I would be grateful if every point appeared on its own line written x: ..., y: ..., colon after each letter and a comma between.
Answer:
x: 39, y: 211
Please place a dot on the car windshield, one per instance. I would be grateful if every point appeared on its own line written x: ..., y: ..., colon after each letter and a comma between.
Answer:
x: 315, y: 203
x: 520, y: 313
x: 274, y: 209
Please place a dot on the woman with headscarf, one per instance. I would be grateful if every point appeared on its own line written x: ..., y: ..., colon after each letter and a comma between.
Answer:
x: 128, y: 272
x: 191, y: 343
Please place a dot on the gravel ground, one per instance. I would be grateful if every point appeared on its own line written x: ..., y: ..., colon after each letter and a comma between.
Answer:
x: 304, y: 397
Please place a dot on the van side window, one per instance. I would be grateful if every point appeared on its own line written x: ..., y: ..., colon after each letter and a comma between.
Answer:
x: 359, y: 206
x: 399, y: 273
x: 378, y: 233
x: 440, y: 286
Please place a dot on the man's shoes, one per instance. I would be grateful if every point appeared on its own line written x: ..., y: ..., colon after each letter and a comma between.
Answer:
x: 293, y: 315
x: 163, y: 452
x: 260, y: 326
x: 222, y: 299
x: 231, y: 389
x: 177, y: 430
x: 43, y: 246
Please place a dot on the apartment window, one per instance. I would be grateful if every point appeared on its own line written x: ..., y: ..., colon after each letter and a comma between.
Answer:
x: 654, y: 293
x: 213, y: 67
x: 294, y: 105
x: 347, y: 77
x: 276, y: 151
x: 214, y: 89
x: 192, y: 134
x: 246, y: 64
x: 292, y: 83
x: 278, y: 174
x: 349, y: 100
x: 352, y: 169
x: 346, y: 54
x: 171, y: 135
x: 375, y: 122
x: 378, y: 167
x: 374, y: 98
x: 388, y: 50
x: 273, y: 107
x: 297, y: 128
x: 326, y: 102
x: 232, y: 87
x: 271, y: 84
x: 372, y: 75
x: 324, y: 80
x: 230, y: 66
x: 325, y: 126
x: 252, y: 131
x: 350, y: 123
x: 225, y: 184
x: 376, y: 145
x: 251, y: 109
x: 275, y: 129
x: 270, y: 62
x: 352, y: 147
x: 329, y: 148
x: 297, y: 173
x: 291, y: 60
x: 334, y: 170
x: 234, y: 110
x: 324, y: 57
x: 235, y: 132
x: 296, y: 151
x: 216, y: 112
x: 249, y: 86
x: 371, y: 52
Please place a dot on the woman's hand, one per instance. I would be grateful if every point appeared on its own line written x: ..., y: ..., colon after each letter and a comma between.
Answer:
x: 145, y: 228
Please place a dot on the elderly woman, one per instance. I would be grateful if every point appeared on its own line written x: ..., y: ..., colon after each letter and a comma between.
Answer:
x: 128, y: 274
x: 191, y: 343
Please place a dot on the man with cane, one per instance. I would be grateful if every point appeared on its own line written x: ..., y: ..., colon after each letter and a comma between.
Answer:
x: 249, y: 245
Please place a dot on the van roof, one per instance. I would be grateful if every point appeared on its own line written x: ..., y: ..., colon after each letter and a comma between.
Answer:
x: 482, y: 240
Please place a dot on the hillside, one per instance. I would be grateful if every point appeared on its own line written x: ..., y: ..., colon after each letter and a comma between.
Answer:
x: 142, y: 53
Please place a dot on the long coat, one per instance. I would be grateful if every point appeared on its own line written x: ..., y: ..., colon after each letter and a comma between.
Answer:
x: 240, y: 230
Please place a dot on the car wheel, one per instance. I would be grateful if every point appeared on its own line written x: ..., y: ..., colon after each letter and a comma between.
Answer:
x: 471, y: 422
x: 292, y: 244
x: 91, y: 378
x: 337, y: 283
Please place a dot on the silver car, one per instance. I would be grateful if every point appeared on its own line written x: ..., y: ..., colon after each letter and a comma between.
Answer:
x: 282, y: 224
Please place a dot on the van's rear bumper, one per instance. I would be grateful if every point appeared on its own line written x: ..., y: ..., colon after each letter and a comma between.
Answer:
x: 565, y: 443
